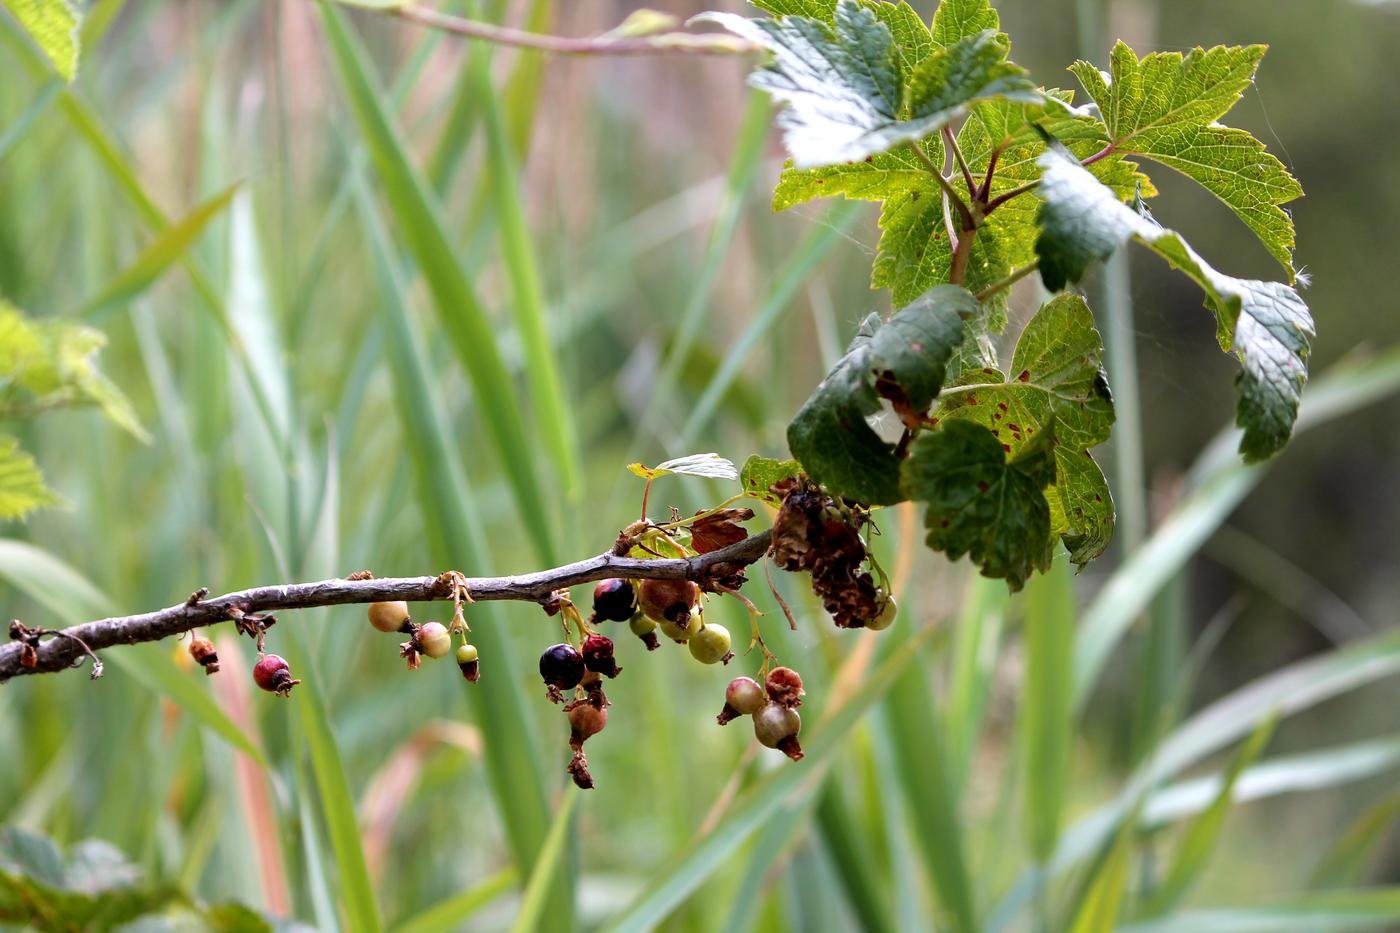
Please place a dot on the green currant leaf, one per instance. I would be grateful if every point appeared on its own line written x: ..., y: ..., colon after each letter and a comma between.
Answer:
x: 958, y: 19
x: 982, y: 503
x: 1164, y: 107
x: 821, y: 10
x: 1266, y: 325
x: 912, y: 39
x: 53, y: 24
x: 710, y: 466
x: 1056, y: 388
x: 845, y: 82
x: 22, y: 488
x: 903, y: 361
x: 760, y: 473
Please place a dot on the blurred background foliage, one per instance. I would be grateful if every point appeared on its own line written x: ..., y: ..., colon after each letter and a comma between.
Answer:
x: 456, y: 289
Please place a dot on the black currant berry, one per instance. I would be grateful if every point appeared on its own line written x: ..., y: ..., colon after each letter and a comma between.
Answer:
x: 562, y: 667
x: 598, y: 656
x: 614, y: 600
x: 272, y: 674
x: 743, y: 697
x: 777, y: 727
x: 468, y: 661
x: 668, y: 600
x: 711, y: 644
x: 389, y: 617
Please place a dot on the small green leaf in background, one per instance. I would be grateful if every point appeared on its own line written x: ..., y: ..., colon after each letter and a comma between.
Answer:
x: 848, y: 91
x: 759, y: 474
x: 980, y: 502
x: 958, y: 19
x: 709, y: 466
x: 1265, y: 324
x: 1056, y: 385
x: 53, y: 24
x: 22, y: 488
x: 904, y: 361
x: 1164, y: 107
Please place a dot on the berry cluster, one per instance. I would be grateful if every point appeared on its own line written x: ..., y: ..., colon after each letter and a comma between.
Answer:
x: 773, y: 707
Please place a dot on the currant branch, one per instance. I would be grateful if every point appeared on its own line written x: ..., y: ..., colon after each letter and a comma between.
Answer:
x: 41, y: 651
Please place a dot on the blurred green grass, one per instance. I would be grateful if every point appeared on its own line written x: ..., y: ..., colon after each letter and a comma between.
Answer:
x: 320, y: 374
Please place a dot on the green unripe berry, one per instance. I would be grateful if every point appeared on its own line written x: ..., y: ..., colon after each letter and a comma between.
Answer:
x: 469, y: 662
x: 711, y: 644
x: 434, y: 640
x: 642, y: 625
x: 467, y: 654
x: 388, y: 617
x: 886, y: 617
x: 681, y: 632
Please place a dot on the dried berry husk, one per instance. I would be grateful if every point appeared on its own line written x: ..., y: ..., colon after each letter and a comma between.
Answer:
x: 578, y: 770
x: 743, y: 697
x: 784, y: 687
x: 614, y: 600
x: 598, y: 656
x: 821, y: 535
x: 668, y: 600
x: 202, y: 650
x: 644, y: 627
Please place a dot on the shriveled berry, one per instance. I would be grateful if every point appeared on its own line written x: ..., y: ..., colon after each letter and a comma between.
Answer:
x: 668, y: 600
x: 644, y: 627
x: 614, y: 600
x: 886, y: 617
x: 468, y: 661
x: 680, y: 633
x: 202, y: 650
x: 743, y: 697
x: 777, y: 727
x: 711, y: 644
x: 598, y: 655
x: 389, y: 617
x: 586, y: 720
x: 272, y: 674
x: 434, y: 640
x: 561, y: 666
x: 784, y: 687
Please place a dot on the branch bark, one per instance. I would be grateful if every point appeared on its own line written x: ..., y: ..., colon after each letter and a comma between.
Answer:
x: 63, y: 647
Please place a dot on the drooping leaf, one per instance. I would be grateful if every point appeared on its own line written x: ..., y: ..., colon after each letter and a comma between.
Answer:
x: 22, y: 488
x: 53, y: 24
x: 1164, y: 108
x: 848, y: 91
x: 718, y: 529
x: 760, y: 474
x: 903, y: 361
x: 46, y: 364
x: 710, y: 466
x: 1265, y: 325
x: 981, y: 502
x: 1056, y: 387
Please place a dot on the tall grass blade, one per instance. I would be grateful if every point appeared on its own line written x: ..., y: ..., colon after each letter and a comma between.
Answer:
x: 452, y: 913
x: 534, y: 902
x: 1046, y: 716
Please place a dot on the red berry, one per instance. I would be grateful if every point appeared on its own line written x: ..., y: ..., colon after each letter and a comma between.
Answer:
x: 614, y: 600
x: 434, y: 640
x: 598, y: 655
x: 743, y: 697
x: 561, y: 666
x: 668, y: 600
x: 272, y: 674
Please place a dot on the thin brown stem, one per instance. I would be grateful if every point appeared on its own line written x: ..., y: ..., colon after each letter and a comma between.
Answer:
x: 951, y: 142
x: 64, y: 646
x: 669, y: 42
x: 964, y: 213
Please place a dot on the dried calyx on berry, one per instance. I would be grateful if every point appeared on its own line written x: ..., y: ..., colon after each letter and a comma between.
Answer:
x: 614, y: 601
x: 272, y: 674
x: 469, y: 662
x: 389, y: 616
x: 784, y: 686
x: 819, y: 534
x: 202, y: 650
x: 644, y: 627
x: 777, y: 727
x: 598, y: 656
x: 680, y: 633
x: 743, y: 697
x: 562, y: 668
x: 711, y: 644
x: 668, y: 600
